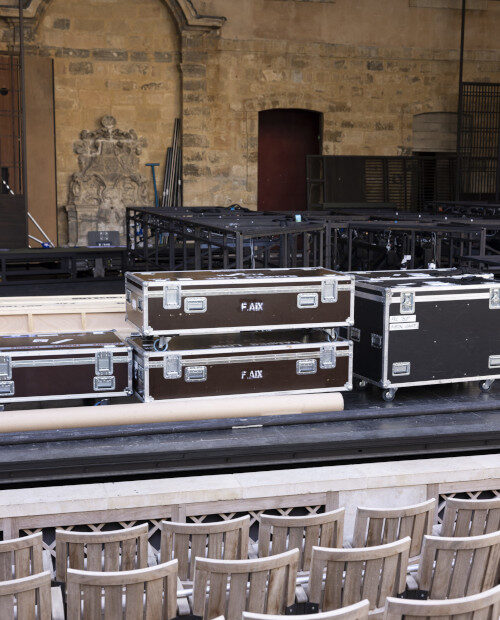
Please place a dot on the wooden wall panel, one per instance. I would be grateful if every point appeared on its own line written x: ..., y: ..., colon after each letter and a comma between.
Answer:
x: 40, y: 146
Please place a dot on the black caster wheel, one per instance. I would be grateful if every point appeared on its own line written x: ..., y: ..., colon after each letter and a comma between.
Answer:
x: 160, y: 344
x: 485, y: 386
x: 388, y: 395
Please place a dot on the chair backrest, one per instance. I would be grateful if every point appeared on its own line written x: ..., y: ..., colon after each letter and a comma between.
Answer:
x: 223, y: 540
x: 262, y: 585
x: 455, y: 567
x: 27, y: 598
x: 278, y: 534
x: 483, y: 606
x: 374, y: 526
x: 149, y: 592
x: 21, y: 557
x: 470, y: 517
x: 372, y: 573
x: 358, y: 611
x: 125, y: 549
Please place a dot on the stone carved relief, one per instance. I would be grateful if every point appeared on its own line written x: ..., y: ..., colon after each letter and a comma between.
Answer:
x: 108, y: 181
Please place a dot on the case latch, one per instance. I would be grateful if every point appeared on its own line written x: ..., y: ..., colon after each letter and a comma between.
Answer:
x: 7, y: 388
x: 355, y: 334
x: 307, y: 300
x: 494, y: 361
x: 400, y: 369
x: 306, y: 367
x: 195, y: 305
x: 195, y: 373
x: 495, y: 299
x: 172, y: 296
x: 5, y: 368
x: 172, y: 366
x: 376, y: 340
x: 329, y: 290
x: 407, y: 304
x: 104, y: 384
x: 103, y: 363
x: 327, y: 356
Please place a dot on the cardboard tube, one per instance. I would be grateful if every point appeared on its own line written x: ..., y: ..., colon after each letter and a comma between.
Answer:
x: 168, y: 411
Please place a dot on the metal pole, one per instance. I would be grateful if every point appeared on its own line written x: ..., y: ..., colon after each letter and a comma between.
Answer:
x: 23, y: 108
x: 460, y: 94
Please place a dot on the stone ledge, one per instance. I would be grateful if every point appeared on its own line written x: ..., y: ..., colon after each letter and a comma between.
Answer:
x: 472, y: 5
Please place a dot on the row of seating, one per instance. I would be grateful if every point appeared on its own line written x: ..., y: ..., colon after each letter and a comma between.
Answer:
x: 210, y: 569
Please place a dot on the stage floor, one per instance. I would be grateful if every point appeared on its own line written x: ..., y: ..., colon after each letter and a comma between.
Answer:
x: 424, y: 421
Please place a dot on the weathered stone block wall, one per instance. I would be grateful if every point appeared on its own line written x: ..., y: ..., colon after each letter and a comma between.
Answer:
x: 111, y: 57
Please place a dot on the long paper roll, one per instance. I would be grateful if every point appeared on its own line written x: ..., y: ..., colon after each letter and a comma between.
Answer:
x: 168, y: 411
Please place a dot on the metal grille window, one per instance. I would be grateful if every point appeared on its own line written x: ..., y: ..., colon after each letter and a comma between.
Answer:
x: 479, y: 142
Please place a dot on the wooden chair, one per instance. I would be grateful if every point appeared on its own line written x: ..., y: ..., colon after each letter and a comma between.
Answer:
x: 358, y: 611
x: 223, y: 540
x: 372, y: 573
x: 470, y: 517
x: 483, y: 606
x: 145, y: 592
x: 125, y: 549
x: 455, y: 567
x: 261, y: 585
x: 278, y: 534
x: 28, y: 598
x: 375, y: 526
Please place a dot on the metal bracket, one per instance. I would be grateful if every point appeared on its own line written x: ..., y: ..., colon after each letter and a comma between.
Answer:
x: 306, y: 367
x: 329, y: 290
x: 5, y: 368
x: 172, y: 366
x: 7, y: 388
x: 327, y: 357
x: 172, y: 296
x: 407, y: 304
x: 104, y: 384
x: 307, y: 300
x: 103, y: 363
x: 494, y: 361
x: 195, y: 305
x: 195, y: 373
x: 400, y: 369
x: 495, y: 299
x: 376, y: 341
x: 355, y: 334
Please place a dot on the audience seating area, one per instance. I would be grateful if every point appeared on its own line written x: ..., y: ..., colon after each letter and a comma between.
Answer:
x: 394, y: 567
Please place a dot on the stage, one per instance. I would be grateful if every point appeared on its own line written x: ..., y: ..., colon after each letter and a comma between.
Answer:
x: 422, y: 422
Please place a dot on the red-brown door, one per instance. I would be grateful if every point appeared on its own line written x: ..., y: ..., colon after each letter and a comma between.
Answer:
x: 285, y: 138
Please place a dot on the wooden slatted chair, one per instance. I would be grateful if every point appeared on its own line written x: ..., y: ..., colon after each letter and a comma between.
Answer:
x: 28, y: 598
x: 358, y: 611
x: 470, y: 517
x: 372, y: 573
x: 483, y: 606
x: 278, y: 534
x: 21, y: 558
x: 261, y: 585
x: 455, y: 567
x: 375, y: 526
x: 125, y: 550
x: 223, y: 540
x: 145, y: 592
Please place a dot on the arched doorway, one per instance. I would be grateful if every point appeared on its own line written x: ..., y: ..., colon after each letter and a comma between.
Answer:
x: 286, y: 136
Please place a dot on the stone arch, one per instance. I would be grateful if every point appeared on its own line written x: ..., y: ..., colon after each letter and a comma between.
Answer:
x: 184, y: 12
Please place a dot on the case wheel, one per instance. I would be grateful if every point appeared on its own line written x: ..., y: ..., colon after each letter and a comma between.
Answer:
x: 360, y: 384
x: 388, y: 395
x: 485, y: 386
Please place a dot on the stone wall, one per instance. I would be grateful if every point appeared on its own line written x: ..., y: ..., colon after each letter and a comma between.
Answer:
x: 367, y: 66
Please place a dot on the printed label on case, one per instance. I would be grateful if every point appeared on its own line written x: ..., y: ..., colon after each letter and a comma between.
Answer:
x: 397, y: 327
x: 252, y: 306
x: 405, y: 318
x: 251, y: 374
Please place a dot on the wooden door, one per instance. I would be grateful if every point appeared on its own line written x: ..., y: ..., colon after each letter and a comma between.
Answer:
x: 285, y: 138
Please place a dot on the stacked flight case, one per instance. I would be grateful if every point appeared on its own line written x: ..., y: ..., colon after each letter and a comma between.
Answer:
x: 219, y: 333
x: 422, y: 327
